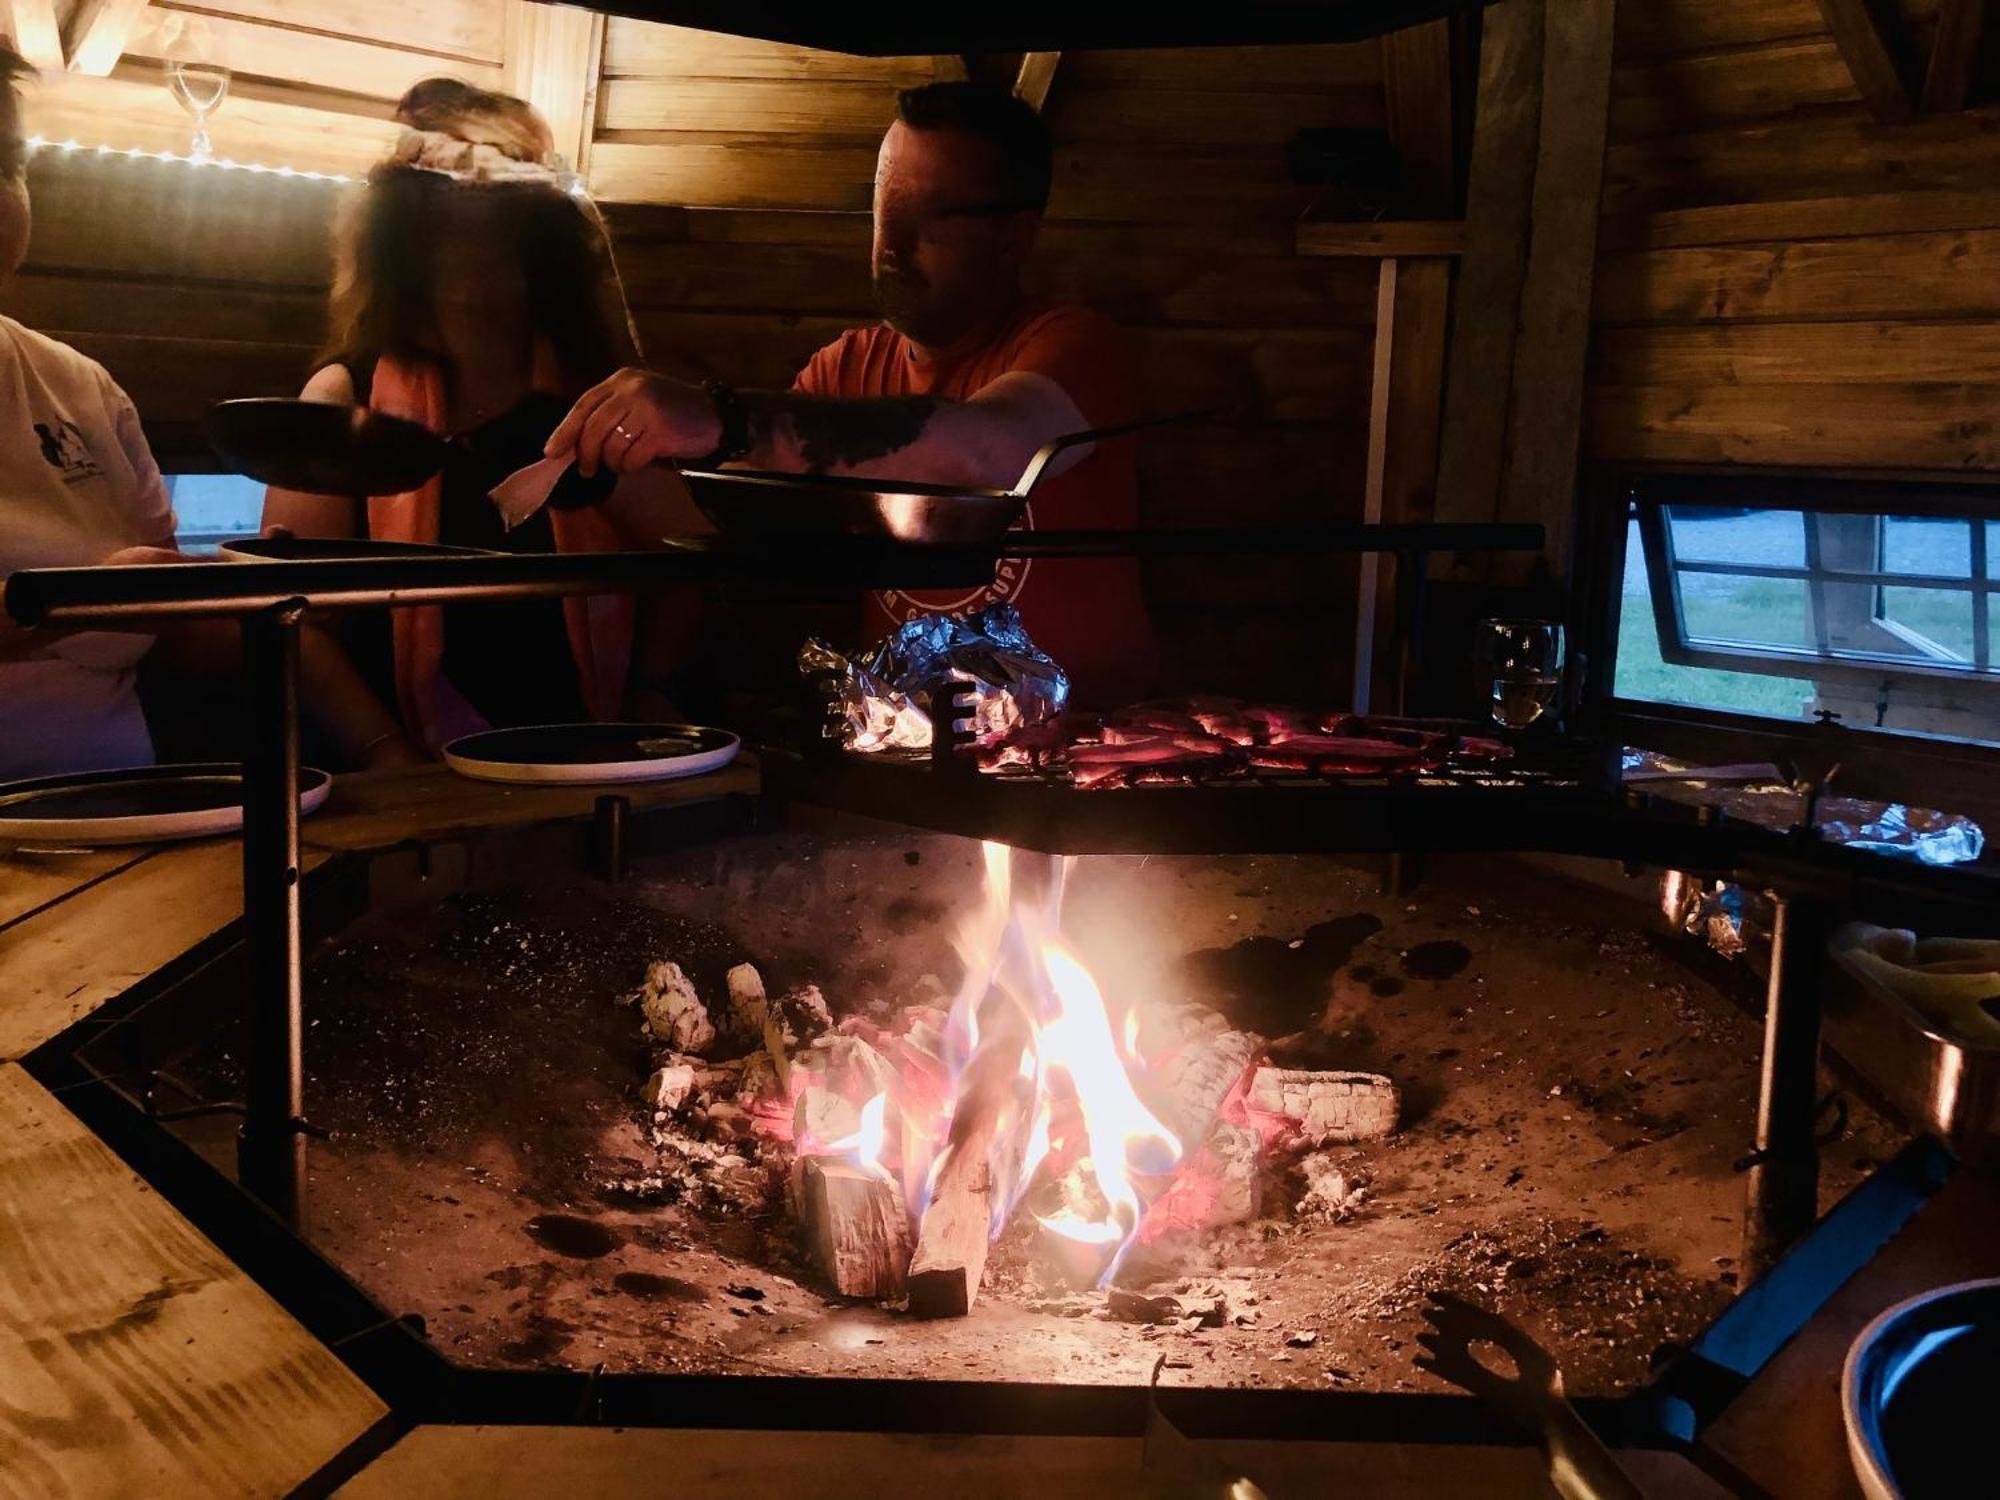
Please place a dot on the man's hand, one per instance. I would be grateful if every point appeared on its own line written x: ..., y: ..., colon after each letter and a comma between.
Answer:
x: 634, y: 419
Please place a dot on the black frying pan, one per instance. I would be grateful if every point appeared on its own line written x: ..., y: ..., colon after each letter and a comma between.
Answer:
x: 329, y: 448
x: 751, y: 503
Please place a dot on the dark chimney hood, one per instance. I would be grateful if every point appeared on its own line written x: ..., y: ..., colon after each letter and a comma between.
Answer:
x: 888, y: 30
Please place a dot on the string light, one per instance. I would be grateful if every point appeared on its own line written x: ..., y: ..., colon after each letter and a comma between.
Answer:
x: 40, y: 143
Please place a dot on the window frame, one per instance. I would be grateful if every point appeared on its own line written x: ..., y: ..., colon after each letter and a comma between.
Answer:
x: 1651, y: 496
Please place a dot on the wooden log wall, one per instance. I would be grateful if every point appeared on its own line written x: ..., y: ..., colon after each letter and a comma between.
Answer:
x: 1784, y: 276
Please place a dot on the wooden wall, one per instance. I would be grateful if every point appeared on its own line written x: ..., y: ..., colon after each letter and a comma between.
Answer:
x: 1783, y: 278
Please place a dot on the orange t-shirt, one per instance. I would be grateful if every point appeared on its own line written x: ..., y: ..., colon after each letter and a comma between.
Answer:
x: 1090, y: 616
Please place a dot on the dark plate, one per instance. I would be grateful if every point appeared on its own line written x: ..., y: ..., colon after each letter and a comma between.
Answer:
x: 592, y: 752
x: 137, y: 804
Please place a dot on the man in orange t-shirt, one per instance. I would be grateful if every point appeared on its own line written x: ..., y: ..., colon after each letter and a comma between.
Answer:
x: 964, y: 381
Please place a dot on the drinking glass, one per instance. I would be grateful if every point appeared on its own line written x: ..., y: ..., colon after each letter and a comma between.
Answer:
x: 197, y: 81
x: 1520, y: 668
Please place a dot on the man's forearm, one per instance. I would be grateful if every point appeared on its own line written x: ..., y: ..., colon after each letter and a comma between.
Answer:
x: 838, y: 435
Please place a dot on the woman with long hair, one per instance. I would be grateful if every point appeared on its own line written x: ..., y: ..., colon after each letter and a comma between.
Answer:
x: 474, y: 293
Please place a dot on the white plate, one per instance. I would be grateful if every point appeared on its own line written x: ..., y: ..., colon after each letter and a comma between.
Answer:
x: 591, y: 754
x: 141, y: 805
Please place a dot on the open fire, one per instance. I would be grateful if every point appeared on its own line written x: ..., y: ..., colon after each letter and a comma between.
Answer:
x: 909, y: 1140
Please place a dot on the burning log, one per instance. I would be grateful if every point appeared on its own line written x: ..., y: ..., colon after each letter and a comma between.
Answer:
x: 669, y: 1086
x: 1198, y: 1074
x: 951, y: 1246
x: 1331, y: 1106
x: 856, y: 1228
x: 748, y: 1006
x: 791, y: 1022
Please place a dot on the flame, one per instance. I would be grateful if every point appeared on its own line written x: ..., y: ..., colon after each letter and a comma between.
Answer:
x: 1123, y: 1134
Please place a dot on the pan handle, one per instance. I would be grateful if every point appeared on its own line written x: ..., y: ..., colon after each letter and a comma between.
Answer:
x: 1037, y: 465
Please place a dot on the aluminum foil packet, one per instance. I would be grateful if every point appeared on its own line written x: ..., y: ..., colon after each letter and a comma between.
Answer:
x: 880, y: 700
x: 1920, y: 833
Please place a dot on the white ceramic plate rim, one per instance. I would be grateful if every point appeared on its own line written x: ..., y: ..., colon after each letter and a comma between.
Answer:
x: 155, y: 828
x: 599, y: 773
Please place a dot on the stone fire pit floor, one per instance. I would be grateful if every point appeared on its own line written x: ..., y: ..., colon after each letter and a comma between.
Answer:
x: 1575, y: 1098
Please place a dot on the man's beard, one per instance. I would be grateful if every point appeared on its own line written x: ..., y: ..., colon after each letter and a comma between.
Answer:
x: 908, y: 307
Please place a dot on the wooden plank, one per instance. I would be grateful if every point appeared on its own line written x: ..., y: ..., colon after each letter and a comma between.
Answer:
x: 1212, y: 118
x: 1774, y: 354
x: 553, y: 55
x: 128, y: 113
x: 1498, y: 192
x: 1395, y: 237
x: 1037, y: 72
x: 30, y: 881
x: 1954, y: 57
x: 37, y: 33
x: 1808, y: 218
x: 179, y: 224
x: 1839, y: 153
x: 1864, y: 426
x: 752, y: 173
x: 470, y: 29
x: 137, y: 1360
x: 1898, y: 276
x: 1306, y: 69
x: 178, y: 379
x: 1669, y: 28
x: 1713, y: 88
x: 379, y: 810
x: 159, y: 309
x: 1416, y: 389
x: 1871, y: 38
x: 492, y: 1463
x: 647, y: 49
x: 354, y: 65
x: 1417, y: 104
x: 1367, y: 592
x: 1544, y: 430
x: 97, y: 32
x: 1264, y: 475
x: 62, y: 963
x: 836, y: 109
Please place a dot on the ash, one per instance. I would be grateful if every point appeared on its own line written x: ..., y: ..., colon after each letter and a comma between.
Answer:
x: 1571, y: 1104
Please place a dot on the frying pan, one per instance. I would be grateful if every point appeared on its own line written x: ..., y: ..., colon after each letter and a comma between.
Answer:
x: 752, y: 503
x: 1917, y: 1392
x: 329, y: 448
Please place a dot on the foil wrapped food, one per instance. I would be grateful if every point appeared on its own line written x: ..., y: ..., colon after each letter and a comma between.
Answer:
x: 1924, y: 834
x: 881, y: 700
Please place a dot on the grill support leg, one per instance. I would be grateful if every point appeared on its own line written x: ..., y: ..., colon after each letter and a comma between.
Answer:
x: 271, y: 1149
x: 1783, y: 1184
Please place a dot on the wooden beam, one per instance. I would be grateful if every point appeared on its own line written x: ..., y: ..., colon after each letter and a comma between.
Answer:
x: 37, y: 33
x: 1871, y: 38
x: 1961, y: 27
x: 1416, y: 96
x: 1545, y: 420
x: 1384, y: 237
x: 553, y: 57
x: 1037, y: 72
x: 1498, y: 192
x: 97, y: 33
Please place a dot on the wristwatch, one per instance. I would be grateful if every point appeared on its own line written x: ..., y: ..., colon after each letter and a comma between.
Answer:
x: 735, y: 420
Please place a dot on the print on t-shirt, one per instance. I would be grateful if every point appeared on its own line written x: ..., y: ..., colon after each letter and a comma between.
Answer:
x: 64, y: 448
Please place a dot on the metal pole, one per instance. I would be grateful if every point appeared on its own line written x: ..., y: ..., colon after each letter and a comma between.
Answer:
x: 271, y: 1159
x: 1783, y: 1189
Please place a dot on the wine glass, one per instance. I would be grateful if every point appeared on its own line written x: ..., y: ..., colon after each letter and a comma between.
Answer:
x: 197, y: 81
x: 1520, y: 666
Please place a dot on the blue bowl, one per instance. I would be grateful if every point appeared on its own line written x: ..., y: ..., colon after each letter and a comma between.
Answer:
x: 1919, y: 1393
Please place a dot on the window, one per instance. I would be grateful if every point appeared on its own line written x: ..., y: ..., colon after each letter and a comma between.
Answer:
x: 212, y: 508
x: 1790, y: 597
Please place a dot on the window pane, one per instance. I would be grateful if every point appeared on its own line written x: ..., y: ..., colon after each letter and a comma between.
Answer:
x: 215, y: 507
x: 1744, y: 611
x: 1993, y: 549
x: 1912, y: 544
x: 1940, y: 617
x: 1771, y: 538
x: 1641, y: 673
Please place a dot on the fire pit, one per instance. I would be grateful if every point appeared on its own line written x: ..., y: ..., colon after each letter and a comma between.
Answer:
x: 1241, y: 1112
